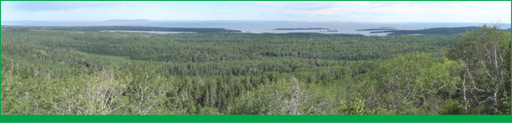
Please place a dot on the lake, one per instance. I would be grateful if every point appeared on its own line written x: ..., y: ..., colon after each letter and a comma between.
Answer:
x: 265, y: 26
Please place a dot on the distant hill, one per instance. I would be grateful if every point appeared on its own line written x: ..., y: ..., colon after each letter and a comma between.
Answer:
x: 505, y: 29
x: 122, y: 20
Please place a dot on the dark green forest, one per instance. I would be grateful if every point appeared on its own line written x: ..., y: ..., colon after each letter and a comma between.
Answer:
x: 76, y: 71
x: 442, y: 30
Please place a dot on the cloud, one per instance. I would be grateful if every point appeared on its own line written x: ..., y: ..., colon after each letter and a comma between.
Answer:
x: 62, y: 5
x: 470, y: 11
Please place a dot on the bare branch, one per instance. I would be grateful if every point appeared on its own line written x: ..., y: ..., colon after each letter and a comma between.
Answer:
x: 485, y: 68
x: 474, y: 86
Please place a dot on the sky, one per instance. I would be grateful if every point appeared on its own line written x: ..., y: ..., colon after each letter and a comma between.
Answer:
x: 356, y: 11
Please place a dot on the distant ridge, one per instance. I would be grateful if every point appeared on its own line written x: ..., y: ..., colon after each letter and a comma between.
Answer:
x: 442, y: 31
x: 123, y: 20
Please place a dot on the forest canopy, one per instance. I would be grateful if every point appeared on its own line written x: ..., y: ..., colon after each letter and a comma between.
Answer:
x: 79, y: 70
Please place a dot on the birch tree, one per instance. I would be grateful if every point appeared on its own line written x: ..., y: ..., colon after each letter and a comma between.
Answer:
x: 486, y: 53
x: 99, y: 94
x: 148, y: 89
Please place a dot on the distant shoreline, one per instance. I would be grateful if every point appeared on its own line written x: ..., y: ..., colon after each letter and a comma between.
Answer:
x: 132, y: 29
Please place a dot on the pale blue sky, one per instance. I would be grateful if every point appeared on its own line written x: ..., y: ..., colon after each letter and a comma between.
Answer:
x: 374, y: 11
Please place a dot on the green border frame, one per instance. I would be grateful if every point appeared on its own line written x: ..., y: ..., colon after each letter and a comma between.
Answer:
x: 254, y: 118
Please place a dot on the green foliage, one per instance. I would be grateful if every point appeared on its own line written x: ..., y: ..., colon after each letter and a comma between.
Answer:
x: 355, y: 107
x: 452, y: 107
x: 206, y: 111
x: 148, y: 88
x: 413, y: 79
x: 268, y: 99
x: 505, y: 104
x: 486, y: 54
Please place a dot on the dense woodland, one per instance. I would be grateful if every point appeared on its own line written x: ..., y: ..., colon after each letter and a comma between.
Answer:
x: 442, y: 31
x: 50, y: 71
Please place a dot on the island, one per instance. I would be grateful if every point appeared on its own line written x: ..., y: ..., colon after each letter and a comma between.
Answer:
x: 301, y: 29
x: 378, y: 29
